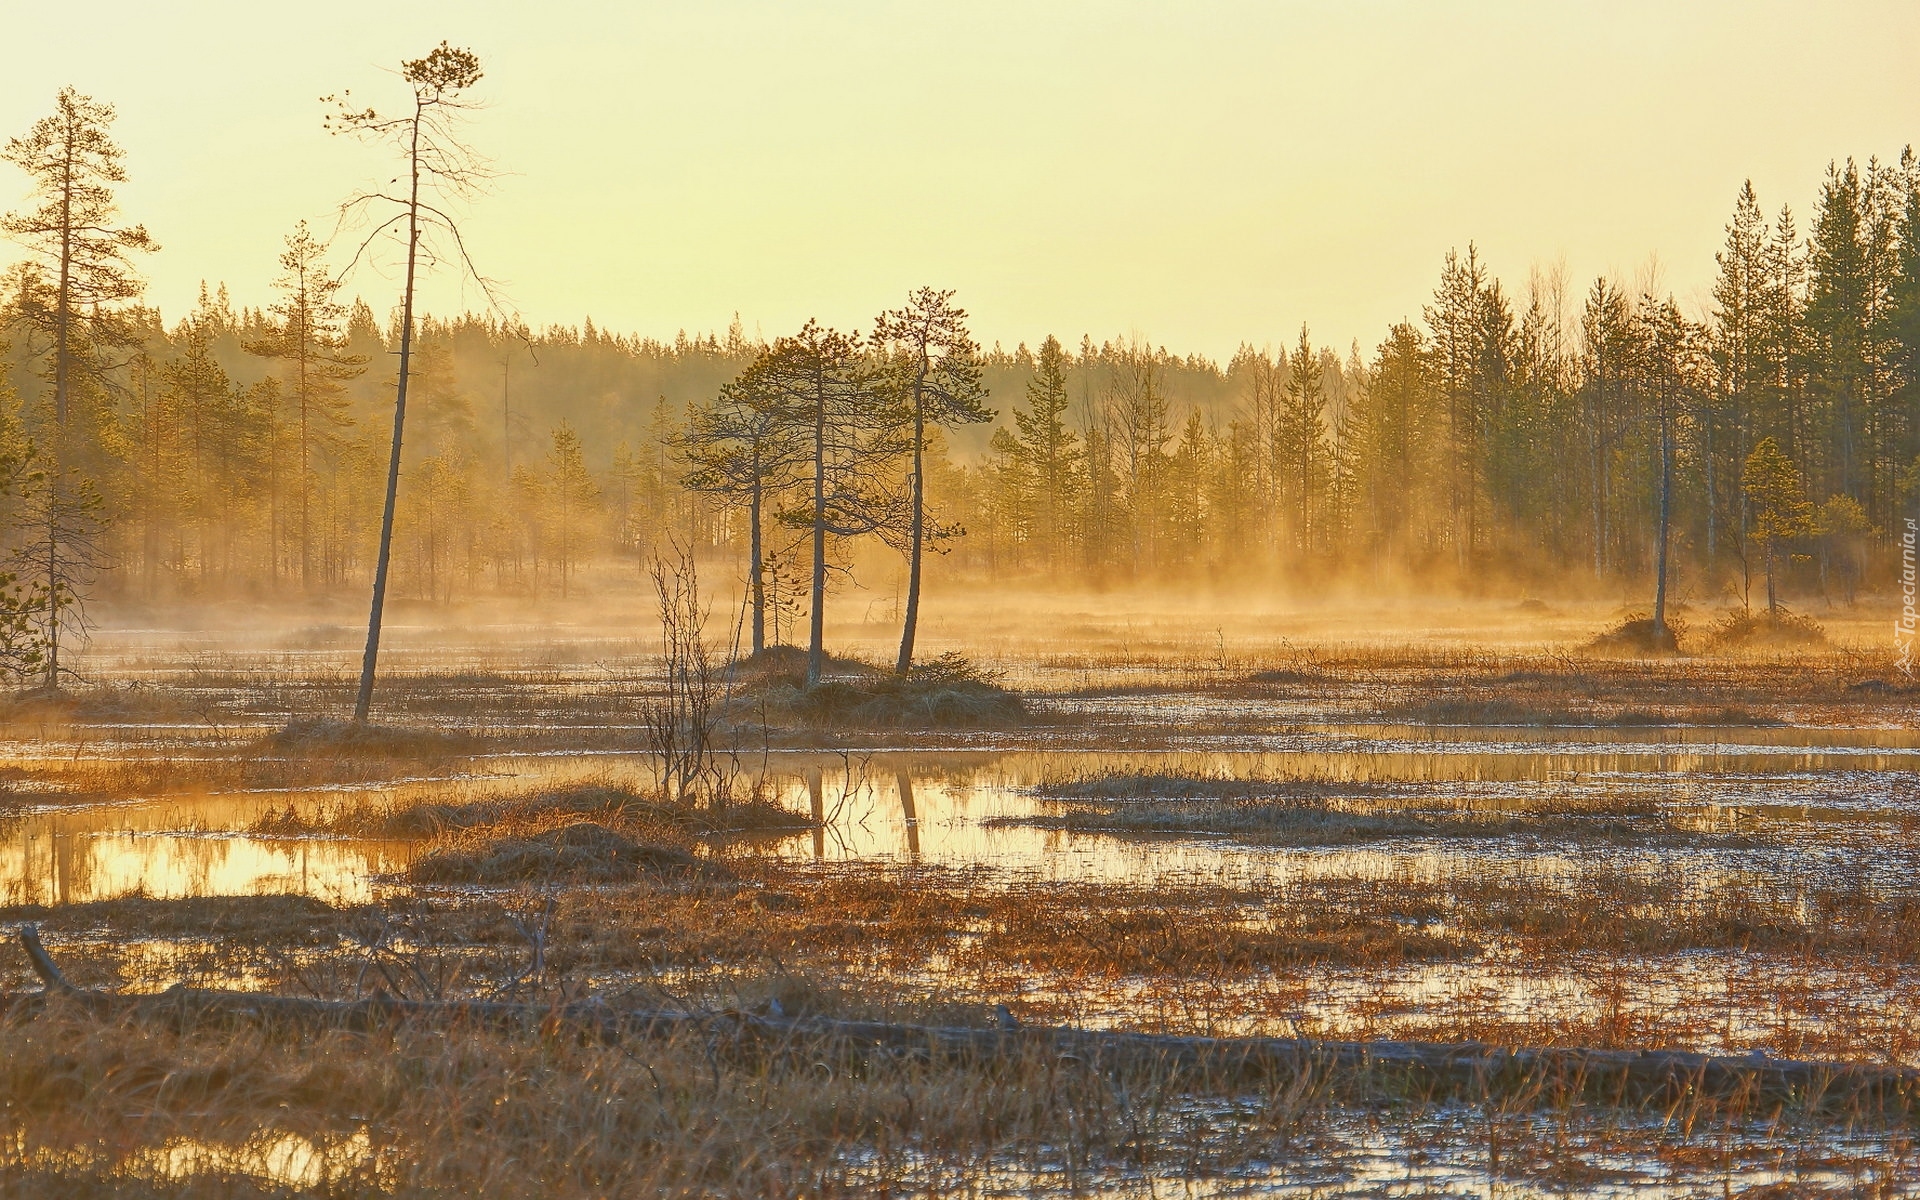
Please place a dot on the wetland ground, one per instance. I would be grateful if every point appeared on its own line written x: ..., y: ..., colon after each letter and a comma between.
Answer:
x: 1454, y: 835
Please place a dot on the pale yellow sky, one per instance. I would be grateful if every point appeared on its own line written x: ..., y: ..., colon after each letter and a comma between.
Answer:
x: 1204, y: 173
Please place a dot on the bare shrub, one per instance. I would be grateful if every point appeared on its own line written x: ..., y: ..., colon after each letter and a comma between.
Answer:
x: 680, y: 722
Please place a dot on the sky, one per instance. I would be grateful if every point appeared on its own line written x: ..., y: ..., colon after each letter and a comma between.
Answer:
x: 1201, y: 174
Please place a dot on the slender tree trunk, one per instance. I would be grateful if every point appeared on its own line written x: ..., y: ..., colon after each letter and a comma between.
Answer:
x: 306, y: 462
x: 1773, y: 600
x: 816, y: 636
x: 911, y: 622
x: 1660, y: 635
x: 757, y: 583
x: 53, y: 579
x: 62, y: 386
x: 364, y: 700
x: 1713, y: 503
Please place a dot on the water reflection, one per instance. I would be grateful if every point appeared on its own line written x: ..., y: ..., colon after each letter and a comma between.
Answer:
x: 940, y: 808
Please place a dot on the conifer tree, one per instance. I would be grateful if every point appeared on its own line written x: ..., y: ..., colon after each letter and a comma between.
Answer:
x: 854, y: 431
x: 1777, y: 494
x: 1458, y: 323
x: 939, y: 367
x: 1739, y: 351
x: 75, y: 240
x: 438, y: 165
x: 745, y: 446
x: 1838, y: 304
x: 1044, y: 455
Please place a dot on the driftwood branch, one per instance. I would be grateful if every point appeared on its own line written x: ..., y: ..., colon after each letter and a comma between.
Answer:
x: 43, y: 964
x: 1612, y: 1076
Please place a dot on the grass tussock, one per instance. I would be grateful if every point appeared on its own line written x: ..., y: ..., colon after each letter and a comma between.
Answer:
x: 593, y: 832
x: 573, y: 852
x: 606, y: 802
x: 1742, y: 629
x: 1637, y: 634
x: 948, y: 692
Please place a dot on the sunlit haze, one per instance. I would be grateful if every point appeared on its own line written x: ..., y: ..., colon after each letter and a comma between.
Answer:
x: 1203, y: 173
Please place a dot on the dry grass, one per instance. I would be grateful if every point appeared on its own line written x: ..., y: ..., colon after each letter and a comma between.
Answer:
x: 607, y: 800
x: 1579, y: 917
x: 1741, y: 629
x: 116, y: 1111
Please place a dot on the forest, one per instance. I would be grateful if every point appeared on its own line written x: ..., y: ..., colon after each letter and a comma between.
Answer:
x: 1549, y: 431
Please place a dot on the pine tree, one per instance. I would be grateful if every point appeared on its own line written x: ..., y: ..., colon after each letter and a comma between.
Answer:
x: 745, y: 446
x: 1903, y: 333
x: 939, y: 369
x: 1138, y: 432
x: 855, y: 432
x: 1609, y: 363
x: 1776, y: 493
x: 1458, y: 323
x: 1838, y: 304
x: 1400, y: 401
x: 75, y: 238
x: 435, y: 159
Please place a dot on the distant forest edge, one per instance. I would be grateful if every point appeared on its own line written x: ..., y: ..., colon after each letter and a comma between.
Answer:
x: 1508, y: 433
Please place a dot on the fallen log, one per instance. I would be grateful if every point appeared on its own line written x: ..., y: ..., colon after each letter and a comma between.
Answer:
x: 1427, y: 1069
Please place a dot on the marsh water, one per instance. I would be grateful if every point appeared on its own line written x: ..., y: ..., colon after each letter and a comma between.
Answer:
x: 1830, y: 799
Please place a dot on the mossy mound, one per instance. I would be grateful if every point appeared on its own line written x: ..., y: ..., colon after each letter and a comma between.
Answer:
x: 948, y: 692
x: 581, y: 852
x: 1637, y: 634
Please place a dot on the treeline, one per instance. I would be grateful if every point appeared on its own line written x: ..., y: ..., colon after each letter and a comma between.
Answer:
x: 1530, y: 432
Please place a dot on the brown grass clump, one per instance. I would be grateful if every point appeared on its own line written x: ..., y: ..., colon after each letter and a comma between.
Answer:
x: 948, y: 692
x: 577, y: 852
x: 1637, y: 635
x: 606, y: 802
x: 1759, y: 629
